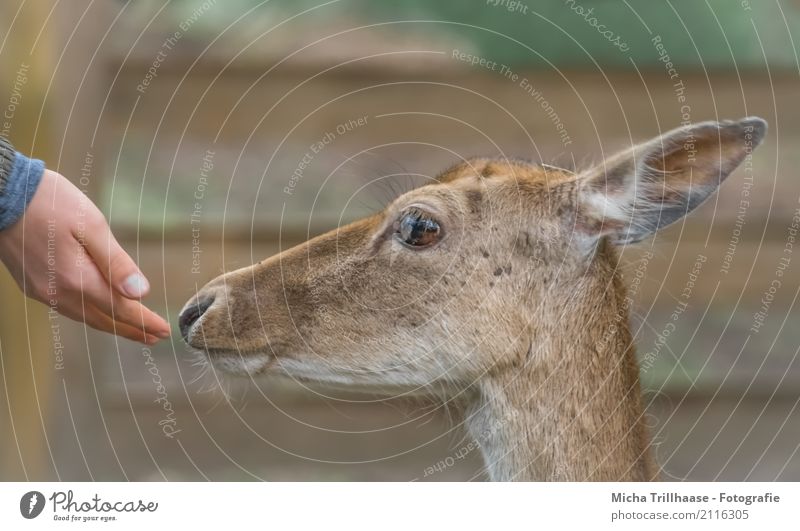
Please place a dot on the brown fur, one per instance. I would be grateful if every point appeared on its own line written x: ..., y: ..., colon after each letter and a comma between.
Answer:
x: 518, y: 313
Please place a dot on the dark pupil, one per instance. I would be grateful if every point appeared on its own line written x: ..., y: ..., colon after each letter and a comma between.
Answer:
x: 417, y: 230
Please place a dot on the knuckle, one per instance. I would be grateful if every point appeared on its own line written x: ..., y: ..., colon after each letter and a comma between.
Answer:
x: 118, y: 262
x: 97, y: 220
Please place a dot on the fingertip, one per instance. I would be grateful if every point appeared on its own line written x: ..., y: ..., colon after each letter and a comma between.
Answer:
x: 159, y: 326
x: 135, y: 286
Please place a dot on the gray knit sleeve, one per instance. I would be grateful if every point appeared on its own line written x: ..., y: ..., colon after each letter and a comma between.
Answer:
x: 19, y: 179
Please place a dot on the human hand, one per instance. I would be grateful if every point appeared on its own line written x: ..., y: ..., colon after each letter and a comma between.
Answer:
x: 63, y: 254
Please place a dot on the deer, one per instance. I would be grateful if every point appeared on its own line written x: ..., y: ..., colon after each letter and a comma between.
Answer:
x: 496, y: 286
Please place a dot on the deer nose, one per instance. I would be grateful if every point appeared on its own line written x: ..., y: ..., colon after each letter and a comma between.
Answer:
x: 193, y: 311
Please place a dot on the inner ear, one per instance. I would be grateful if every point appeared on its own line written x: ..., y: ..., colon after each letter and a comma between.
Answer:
x: 647, y: 187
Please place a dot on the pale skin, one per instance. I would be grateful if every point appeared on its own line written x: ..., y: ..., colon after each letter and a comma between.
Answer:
x: 62, y: 253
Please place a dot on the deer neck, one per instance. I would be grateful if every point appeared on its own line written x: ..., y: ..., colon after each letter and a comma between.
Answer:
x: 570, y: 407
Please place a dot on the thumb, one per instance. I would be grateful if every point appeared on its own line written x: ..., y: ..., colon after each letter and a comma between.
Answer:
x: 119, y: 269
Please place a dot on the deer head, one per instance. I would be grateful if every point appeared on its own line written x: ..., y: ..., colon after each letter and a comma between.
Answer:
x: 498, y: 283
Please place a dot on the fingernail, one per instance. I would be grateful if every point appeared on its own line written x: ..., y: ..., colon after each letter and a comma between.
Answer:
x: 151, y: 340
x: 164, y: 334
x: 136, y: 285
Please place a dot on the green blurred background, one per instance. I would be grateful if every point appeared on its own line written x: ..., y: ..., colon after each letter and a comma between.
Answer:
x: 186, y: 141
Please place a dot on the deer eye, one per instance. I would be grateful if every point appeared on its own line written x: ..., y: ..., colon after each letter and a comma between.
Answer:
x: 417, y: 229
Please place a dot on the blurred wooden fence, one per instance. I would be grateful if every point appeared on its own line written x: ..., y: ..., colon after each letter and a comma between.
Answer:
x: 198, y: 154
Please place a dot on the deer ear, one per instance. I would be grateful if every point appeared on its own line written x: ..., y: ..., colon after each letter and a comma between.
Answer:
x: 638, y: 191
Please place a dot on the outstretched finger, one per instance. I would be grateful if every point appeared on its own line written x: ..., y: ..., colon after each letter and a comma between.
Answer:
x: 114, y: 263
x: 95, y: 318
x: 96, y: 291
